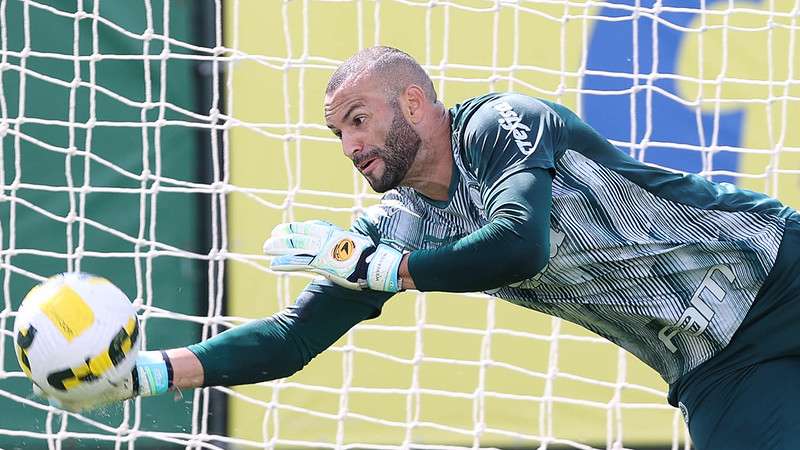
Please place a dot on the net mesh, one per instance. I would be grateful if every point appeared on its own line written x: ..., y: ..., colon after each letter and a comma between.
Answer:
x: 708, y: 87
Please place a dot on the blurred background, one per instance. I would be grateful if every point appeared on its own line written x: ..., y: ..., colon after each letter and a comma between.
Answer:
x: 157, y: 142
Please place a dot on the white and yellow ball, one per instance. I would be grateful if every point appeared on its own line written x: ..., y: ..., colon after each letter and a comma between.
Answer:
x: 75, y: 335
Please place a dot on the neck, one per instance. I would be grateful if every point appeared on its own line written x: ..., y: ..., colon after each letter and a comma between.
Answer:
x: 432, y: 170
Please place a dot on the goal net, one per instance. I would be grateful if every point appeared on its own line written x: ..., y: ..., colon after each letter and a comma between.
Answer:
x: 157, y: 142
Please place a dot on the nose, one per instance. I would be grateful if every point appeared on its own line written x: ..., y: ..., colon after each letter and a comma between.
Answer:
x: 351, y: 145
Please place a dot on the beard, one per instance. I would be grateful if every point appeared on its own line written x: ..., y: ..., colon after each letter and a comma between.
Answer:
x: 398, y: 154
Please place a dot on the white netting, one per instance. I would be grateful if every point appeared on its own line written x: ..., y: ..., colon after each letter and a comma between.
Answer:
x: 711, y: 89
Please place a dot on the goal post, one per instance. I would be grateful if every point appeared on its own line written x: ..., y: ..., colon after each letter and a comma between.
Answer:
x: 99, y: 121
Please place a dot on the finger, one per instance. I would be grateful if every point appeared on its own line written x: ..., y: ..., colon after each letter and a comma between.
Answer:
x: 321, y: 222
x: 73, y: 407
x: 52, y: 401
x: 283, y: 229
x: 292, y: 244
x: 313, y: 228
x: 291, y: 263
x: 37, y: 391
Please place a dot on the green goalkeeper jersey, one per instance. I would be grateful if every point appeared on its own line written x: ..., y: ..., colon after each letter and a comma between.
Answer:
x: 544, y: 212
x: 663, y: 264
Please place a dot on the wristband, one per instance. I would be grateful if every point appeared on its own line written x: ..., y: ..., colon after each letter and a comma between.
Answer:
x: 170, y: 371
x: 382, y: 269
x: 153, y: 372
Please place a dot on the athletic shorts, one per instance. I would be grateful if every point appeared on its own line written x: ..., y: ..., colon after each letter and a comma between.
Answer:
x: 748, y: 395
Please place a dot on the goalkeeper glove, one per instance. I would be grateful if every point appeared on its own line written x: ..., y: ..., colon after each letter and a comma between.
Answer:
x: 151, y: 375
x: 346, y: 258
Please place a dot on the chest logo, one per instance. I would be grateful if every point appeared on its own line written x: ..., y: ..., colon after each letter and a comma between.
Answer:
x: 510, y: 121
x: 343, y: 250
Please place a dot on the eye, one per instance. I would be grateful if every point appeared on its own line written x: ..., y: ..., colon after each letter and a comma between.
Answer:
x: 359, y: 120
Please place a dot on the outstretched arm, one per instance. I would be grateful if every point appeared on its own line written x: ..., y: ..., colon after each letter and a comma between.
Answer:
x: 282, y: 344
x: 274, y: 347
x: 270, y: 348
x: 261, y: 350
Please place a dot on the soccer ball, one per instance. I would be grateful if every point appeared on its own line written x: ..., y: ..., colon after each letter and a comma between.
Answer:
x: 76, y: 335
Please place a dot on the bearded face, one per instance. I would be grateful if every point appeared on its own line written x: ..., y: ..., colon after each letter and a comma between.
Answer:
x: 398, y: 153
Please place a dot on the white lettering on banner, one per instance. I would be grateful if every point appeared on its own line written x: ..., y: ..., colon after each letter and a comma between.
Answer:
x: 510, y: 121
x: 695, y: 318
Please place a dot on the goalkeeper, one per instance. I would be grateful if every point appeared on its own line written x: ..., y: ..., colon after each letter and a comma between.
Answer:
x: 519, y: 198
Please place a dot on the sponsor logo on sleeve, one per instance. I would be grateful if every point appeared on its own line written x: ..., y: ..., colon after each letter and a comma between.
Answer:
x: 511, y: 121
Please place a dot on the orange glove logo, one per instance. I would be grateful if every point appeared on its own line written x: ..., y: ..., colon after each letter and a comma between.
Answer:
x: 343, y: 250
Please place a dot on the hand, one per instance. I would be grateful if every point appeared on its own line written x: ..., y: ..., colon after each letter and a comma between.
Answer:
x: 346, y: 258
x: 150, y: 376
x: 114, y: 393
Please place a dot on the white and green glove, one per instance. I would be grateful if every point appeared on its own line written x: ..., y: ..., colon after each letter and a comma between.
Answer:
x: 347, y: 259
x: 152, y: 375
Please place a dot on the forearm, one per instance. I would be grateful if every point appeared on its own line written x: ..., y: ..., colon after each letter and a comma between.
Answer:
x: 257, y: 351
x: 187, y: 372
x: 513, y: 246
x: 405, y: 275
x: 277, y: 346
x: 496, y: 255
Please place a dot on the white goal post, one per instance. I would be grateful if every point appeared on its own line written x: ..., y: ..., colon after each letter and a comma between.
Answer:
x: 158, y: 141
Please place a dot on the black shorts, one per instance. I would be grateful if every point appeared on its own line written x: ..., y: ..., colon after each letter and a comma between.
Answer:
x: 748, y: 395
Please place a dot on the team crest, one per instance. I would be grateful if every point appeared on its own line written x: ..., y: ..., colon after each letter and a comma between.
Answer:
x: 344, y: 249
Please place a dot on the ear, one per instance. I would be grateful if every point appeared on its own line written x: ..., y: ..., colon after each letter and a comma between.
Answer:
x: 415, y: 102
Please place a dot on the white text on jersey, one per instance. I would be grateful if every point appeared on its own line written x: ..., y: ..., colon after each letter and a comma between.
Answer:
x: 510, y: 121
x: 695, y: 318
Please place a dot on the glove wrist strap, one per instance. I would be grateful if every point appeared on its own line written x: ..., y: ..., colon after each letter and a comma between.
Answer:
x: 153, y: 373
x: 383, y: 268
